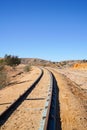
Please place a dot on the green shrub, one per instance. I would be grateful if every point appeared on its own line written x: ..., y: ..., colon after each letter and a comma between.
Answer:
x: 12, y: 60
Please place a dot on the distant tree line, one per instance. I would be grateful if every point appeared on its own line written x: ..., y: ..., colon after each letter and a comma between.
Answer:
x: 84, y: 60
x: 10, y: 60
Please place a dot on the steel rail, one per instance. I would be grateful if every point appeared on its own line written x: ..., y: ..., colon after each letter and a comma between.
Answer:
x: 6, y: 114
x: 48, y: 120
x: 53, y: 108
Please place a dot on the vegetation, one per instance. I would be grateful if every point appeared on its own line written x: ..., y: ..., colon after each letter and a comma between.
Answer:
x: 12, y: 60
x: 27, y: 68
x: 7, y: 60
x: 3, y: 77
x: 84, y: 60
x: 1, y: 67
x: 1, y: 61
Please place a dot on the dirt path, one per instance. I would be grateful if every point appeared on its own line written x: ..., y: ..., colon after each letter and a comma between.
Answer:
x: 28, y: 114
x: 73, y: 104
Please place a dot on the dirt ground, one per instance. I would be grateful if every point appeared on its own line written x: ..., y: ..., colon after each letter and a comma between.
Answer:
x: 18, y: 84
x: 28, y: 114
x: 79, y: 76
x: 72, y: 85
x: 72, y: 98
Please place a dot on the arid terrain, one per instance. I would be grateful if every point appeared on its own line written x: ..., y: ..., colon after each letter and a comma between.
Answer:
x: 72, y: 85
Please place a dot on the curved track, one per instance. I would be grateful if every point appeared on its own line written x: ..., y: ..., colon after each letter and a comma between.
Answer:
x: 36, y: 108
x: 6, y: 114
x: 48, y: 121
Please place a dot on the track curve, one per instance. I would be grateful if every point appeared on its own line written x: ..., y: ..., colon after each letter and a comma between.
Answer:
x: 6, y: 114
x: 36, y: 108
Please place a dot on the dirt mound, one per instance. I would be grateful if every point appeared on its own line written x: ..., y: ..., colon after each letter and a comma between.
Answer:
x: 80, y: 66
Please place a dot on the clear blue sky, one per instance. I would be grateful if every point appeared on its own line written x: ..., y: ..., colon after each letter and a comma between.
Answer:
x: 49, y: 29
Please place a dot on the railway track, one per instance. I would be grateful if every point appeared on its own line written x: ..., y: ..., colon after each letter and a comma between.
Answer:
x: 37, y: 106
x: 6, y: 114
x: 19, y: 85
x: 48, y: 121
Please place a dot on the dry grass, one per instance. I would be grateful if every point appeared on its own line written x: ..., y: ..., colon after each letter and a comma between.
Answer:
x: 27, y: 68
x: 3, y: 77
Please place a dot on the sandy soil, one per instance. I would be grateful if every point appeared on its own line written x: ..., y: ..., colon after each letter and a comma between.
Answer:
x: 80, y: 65
x: 18, y: 85
x: 79, y: 76
x: 72, y: 85
x: 73, y: 103
x: 28, y: 114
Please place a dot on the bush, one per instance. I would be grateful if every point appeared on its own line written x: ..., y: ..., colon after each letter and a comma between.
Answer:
x: 27, y: 68
x: 84, y: 60
x: 3, y: 78
x: 1, y: 67
x: 1, y: 61
x: 12, y: 60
